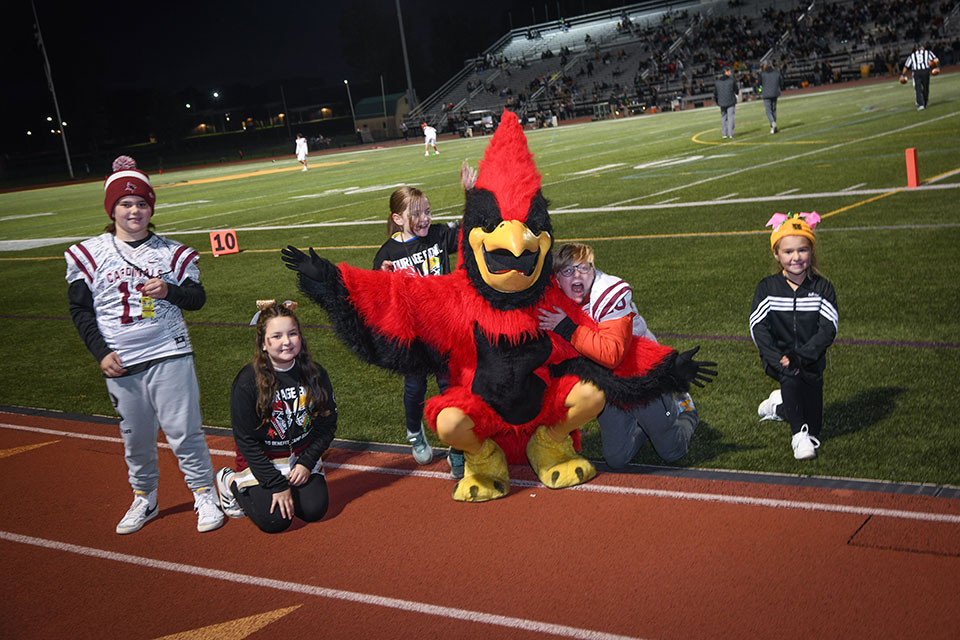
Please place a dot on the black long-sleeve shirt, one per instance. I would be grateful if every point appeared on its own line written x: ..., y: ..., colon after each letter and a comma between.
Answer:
x: 291, y: 428
x: 799, y: 323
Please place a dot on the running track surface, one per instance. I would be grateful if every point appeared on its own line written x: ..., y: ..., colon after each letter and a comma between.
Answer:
x: 625, y: 556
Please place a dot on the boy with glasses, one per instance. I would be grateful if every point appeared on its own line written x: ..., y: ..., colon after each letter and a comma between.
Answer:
x: 668, y: 421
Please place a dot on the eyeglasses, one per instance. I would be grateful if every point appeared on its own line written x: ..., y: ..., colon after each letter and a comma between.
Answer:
x: 583, y: 269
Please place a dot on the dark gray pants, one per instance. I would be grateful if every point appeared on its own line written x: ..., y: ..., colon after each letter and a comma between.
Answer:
x: 770, y: 106
x: 622, y: 433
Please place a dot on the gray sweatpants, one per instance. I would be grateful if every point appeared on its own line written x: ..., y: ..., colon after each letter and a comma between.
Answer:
x: 726, y: 120
x: 622, y: 433
x: 165, y: 395
x: 770, y: 106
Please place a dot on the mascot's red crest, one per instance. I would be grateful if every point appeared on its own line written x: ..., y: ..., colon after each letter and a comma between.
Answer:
x: 507, y: 169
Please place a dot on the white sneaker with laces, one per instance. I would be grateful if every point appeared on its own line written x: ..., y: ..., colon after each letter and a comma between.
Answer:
x: 228, y: 502
x: 139, y: 513
x: 209, y: 516
x: 768, y: 408
x: 422, y: 451
x: 804, y: 445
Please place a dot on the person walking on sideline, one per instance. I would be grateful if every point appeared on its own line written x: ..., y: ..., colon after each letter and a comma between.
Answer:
x: 771, y: 84
x: 725, y: 93
x: 302, y: 151
x: 921, y: 62
x: 127, y: 288
x: 793, y: 320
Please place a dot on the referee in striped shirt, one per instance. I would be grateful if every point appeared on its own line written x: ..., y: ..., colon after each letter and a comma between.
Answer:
x: 920, y: 62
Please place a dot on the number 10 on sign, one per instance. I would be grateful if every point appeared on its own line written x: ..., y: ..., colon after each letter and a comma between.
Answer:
x: 224, y: 242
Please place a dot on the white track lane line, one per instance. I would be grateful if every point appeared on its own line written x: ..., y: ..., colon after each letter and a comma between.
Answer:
x: 411, y: 606
x: 594, y: 487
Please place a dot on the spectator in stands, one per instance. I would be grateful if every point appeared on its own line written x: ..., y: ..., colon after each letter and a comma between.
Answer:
x: 725, y: 93
x: 771, y: 83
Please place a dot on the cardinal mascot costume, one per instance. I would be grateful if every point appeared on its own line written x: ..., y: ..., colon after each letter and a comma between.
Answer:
x: 516, y: 393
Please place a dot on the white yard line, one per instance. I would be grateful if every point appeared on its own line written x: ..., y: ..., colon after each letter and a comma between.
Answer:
x: 763, y: 165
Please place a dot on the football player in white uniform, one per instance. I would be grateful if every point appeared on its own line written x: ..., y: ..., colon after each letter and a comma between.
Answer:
x: 302, y: 151
x: 669, y: 421
x: 127, y: 287
x: 429, y: 139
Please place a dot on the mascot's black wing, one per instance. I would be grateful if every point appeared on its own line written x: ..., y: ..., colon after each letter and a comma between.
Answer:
x: 323, y: 282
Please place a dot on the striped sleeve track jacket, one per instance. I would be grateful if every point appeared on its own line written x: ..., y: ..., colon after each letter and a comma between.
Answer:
x: 800, y: 324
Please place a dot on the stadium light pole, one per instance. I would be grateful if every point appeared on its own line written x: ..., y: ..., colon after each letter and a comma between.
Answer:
x: 411, y: 94
x: 350, y: 100
x: 53, y: 92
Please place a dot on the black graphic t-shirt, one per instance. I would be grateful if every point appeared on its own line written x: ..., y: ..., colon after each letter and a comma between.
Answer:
x: 288, y: 429
x: 426, y: 256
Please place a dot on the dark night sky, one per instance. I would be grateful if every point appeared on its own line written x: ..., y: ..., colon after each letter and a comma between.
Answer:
x: 111, y: 57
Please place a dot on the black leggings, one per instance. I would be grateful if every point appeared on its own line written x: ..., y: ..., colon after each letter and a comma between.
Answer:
x: 310, y: 502
x: 802, y: 403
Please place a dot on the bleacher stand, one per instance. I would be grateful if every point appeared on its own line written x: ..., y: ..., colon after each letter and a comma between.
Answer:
x: 659, y: 55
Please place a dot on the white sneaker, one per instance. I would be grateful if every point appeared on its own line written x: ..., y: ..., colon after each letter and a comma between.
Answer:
x: 209, y: 516
x: 768, y: 408
x: 921, y: 108
x: 724, y: 137
x: 139, y: 513
x: 228, y: 503
x: 804, y: 445
x: 426, y: 154
x: 422, y: 451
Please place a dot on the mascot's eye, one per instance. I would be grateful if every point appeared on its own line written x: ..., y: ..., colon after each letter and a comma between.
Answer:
x: 490, y: 226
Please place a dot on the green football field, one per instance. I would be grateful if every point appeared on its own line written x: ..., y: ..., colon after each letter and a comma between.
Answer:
x: 666, y: 204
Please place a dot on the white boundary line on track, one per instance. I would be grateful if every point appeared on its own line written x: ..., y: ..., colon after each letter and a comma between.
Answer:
x: 749, y: 501
x: 411, y: 606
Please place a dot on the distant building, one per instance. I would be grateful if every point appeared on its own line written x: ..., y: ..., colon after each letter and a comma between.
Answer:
x: 382, y: 115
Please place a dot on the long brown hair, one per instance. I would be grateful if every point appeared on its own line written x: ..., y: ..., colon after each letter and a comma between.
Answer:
x: 266, y: 376
x: 399, y: 201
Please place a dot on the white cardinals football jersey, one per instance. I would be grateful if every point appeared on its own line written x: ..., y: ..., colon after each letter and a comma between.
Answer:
x: 611, y: 298
x: 137, y: 327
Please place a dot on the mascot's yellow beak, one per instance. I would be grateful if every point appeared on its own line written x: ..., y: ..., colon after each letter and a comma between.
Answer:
x: 510, y: 257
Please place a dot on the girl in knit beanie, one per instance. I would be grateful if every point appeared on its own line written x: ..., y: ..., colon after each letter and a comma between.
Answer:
x: 792, y: 322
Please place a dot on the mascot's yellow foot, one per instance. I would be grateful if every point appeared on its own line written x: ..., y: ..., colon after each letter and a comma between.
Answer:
x: 556, y: 463
x: 485, y: 475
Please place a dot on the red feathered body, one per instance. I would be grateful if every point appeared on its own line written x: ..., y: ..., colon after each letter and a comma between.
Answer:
x: 499, y: 362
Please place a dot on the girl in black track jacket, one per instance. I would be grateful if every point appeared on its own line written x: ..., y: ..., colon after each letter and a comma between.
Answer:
x: 793, y: 320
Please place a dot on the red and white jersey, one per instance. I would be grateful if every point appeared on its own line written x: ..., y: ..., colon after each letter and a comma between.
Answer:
x: 429, y: 134
x: 612, y: 298
x: 115, y: 272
